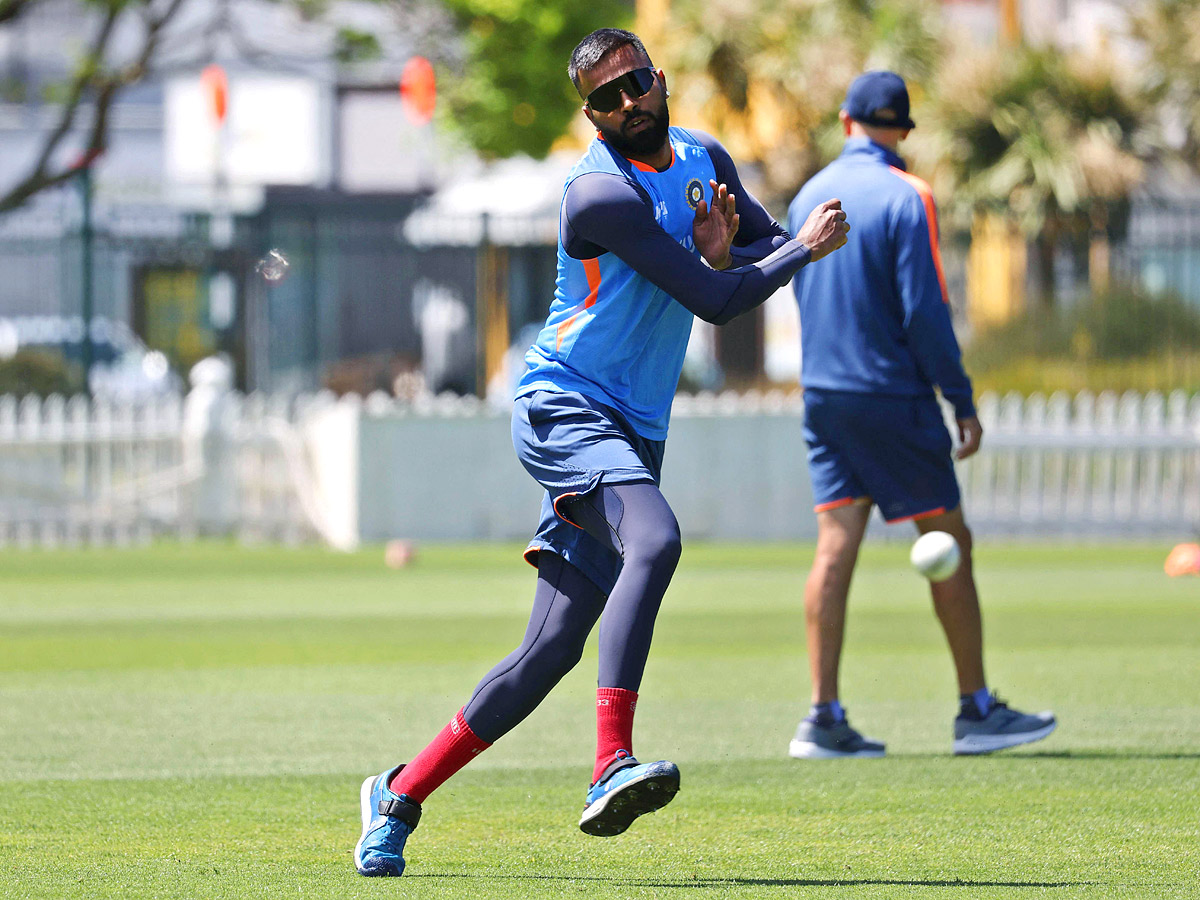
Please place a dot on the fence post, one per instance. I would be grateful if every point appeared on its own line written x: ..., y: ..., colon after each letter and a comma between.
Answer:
x: 208, y: 447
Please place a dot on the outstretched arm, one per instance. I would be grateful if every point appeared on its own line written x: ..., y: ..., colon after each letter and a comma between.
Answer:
x: 605, y: 213
x: 758, y: 234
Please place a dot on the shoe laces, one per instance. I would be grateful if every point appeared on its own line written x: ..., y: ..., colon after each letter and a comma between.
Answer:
x: 394, y: 831
x: 826, y: 720
x: 969, y: 710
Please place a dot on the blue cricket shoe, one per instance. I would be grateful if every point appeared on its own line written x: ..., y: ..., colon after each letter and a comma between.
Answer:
x: 823, y: 737
x: 627, y: 789
x: 975, y: 733
x: 388, y: 819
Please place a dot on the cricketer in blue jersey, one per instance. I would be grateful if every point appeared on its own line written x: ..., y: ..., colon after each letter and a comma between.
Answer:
x: 644, y: 247
x: 877, y: 339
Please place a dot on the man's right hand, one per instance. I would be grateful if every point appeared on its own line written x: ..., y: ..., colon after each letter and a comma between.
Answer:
x: 970, y: 433
x: 825, y: 229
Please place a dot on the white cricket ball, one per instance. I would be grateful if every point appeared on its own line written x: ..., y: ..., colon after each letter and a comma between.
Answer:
x: 936, y: 555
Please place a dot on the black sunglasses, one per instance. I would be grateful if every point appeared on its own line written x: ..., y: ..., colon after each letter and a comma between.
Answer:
x: 607, y: 97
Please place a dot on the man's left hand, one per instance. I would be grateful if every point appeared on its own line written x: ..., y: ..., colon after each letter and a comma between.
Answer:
x: 713, y: 230
x: 970, y: 433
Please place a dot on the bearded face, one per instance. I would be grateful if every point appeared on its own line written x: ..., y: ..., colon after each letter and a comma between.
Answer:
x: 640, y: 130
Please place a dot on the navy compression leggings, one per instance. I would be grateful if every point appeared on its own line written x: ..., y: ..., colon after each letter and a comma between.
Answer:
x: 635, y: 521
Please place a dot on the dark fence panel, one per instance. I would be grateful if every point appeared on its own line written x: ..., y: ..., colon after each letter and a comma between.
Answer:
x: 362, y: 300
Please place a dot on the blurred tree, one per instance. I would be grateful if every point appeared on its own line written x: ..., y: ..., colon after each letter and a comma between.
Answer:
x: 506, y: 89
x: 510, y: 92
x: 89, y: 91
x: 1169, y: 30
x: 770, y: 77
x: 109, y: 59
x: 1050, y: 140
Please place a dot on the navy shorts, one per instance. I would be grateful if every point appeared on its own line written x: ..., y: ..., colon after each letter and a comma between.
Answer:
x: 571, y: 445
x: 894, y: 450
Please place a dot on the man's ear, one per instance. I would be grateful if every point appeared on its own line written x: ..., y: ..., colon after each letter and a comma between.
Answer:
x: 662, y: 76
x: 587, y: 111
x: 844, y: 118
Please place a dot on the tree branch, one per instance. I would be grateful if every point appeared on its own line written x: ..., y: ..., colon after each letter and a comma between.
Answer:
x: 10, y: 9
x: 103, y: 86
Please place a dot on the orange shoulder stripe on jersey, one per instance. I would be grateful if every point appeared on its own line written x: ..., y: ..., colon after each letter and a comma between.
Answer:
x: 926, y: 193
x: 591, y: 268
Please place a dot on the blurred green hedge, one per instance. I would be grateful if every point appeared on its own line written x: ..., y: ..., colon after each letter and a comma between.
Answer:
x: 38, y: 372
x: 1124, y: 339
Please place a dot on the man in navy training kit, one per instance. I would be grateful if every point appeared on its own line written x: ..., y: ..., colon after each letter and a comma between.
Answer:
x: 641, y: 252
x: 873, y: 426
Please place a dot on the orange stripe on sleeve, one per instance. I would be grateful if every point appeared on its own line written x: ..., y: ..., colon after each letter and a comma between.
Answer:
x: 591, y: 268
x: 926, y: 193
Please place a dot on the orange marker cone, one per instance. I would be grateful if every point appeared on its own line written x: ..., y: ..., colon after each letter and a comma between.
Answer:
x: 399, y: 553
x: 1184, y: 559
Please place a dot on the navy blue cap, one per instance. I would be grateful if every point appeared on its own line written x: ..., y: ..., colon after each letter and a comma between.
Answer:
x: 879, y: 98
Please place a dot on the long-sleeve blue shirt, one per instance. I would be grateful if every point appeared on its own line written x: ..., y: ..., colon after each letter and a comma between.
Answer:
x: 875, y: 316
x: 630, y: 279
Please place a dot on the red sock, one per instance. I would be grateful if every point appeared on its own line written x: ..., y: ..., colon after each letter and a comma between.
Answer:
x: 614, y: 725
x: 452, y: 749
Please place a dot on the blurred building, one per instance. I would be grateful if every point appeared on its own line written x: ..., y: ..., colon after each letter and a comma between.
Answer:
x: 407, y: 265
x: 318, y: 160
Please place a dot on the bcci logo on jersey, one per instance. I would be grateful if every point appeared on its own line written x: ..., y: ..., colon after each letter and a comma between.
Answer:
x: 695, y: 192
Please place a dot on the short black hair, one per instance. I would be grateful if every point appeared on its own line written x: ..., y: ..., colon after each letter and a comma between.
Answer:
x: 596, y: 46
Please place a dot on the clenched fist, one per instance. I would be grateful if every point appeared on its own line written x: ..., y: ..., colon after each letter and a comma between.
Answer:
x: 825, y: 230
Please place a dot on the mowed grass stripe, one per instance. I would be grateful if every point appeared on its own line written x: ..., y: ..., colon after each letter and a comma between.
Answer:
x: 194, y: 722
x: 767, y: 830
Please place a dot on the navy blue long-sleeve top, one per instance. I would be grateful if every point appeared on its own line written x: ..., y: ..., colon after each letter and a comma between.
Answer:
x: 875, y: 315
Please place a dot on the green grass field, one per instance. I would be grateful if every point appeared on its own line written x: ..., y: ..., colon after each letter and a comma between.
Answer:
x: 195, y: 722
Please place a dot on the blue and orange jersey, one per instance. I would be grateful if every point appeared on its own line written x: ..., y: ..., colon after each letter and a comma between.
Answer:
x: 875, y: 315
x: 630, y: 278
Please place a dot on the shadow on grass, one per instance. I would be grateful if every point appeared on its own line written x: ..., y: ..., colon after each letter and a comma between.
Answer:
x: 1105, y: 754
x: 617, y: 881
x: 1058, y: 754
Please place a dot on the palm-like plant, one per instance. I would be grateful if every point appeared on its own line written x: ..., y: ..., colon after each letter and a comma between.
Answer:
x: 769, y: 77
x: 1045, y: 139
x: 1169, y: 31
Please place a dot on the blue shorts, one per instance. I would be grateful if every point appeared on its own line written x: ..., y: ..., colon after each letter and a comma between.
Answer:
x: 894, y: 450
x: 571, y: 445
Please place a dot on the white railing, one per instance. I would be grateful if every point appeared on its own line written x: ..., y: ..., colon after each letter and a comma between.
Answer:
x: 280, y: 469
x: 76, y: 471
x: 103, y: 472
x: 1095, y: 465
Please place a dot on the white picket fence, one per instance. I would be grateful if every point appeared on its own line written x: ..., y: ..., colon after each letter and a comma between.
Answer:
x: 1090, y: 465
x: 75, y: 471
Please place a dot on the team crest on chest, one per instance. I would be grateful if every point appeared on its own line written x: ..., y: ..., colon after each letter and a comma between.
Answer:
x: 694, y: 192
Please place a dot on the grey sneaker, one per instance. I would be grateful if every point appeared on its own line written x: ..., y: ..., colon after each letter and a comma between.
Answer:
x: 818, y: 739
x: 1000, y: 728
